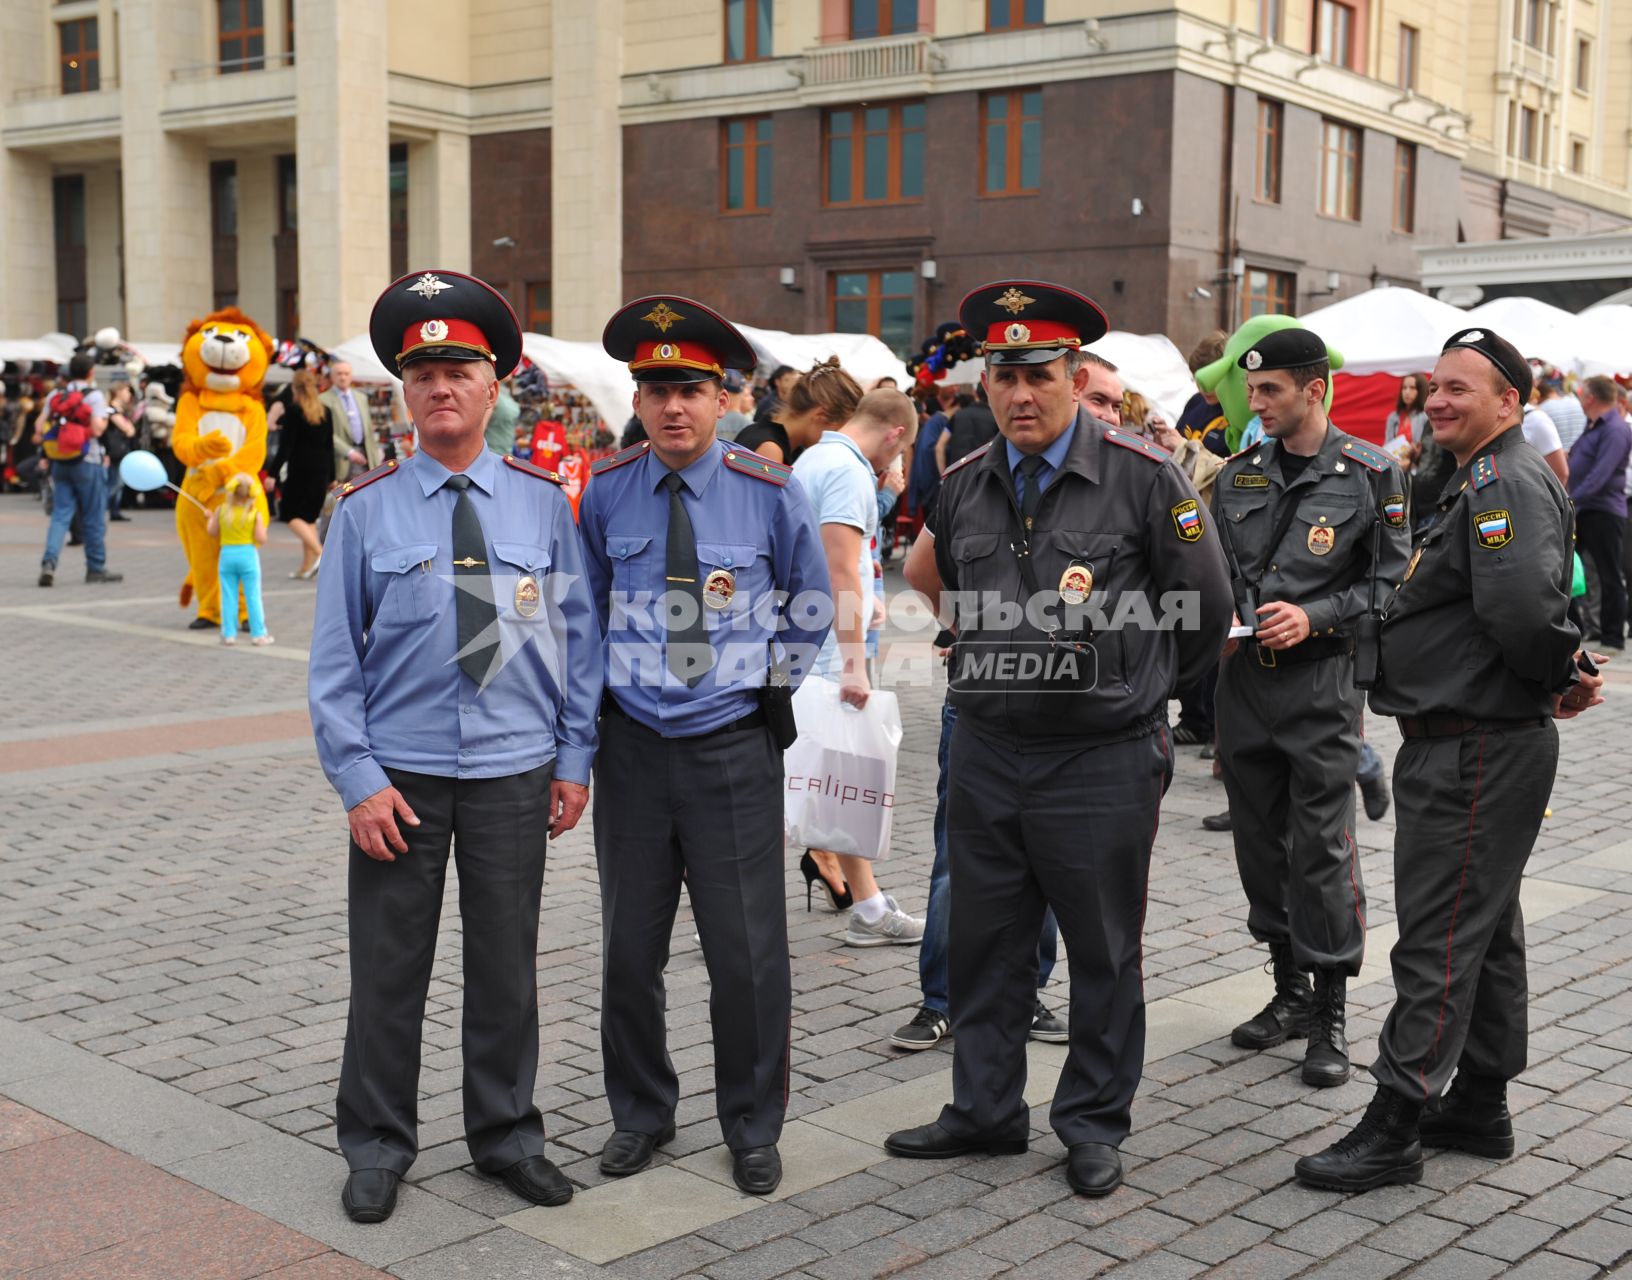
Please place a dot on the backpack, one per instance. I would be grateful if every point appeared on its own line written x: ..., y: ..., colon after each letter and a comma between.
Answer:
x: 68, y: 427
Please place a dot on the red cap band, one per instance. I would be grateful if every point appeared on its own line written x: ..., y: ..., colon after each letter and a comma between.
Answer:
x: 685, y: 355
x: 1014, y: 335
x: 443, y: 333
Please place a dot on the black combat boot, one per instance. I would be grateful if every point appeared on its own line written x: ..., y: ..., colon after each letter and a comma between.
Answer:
x: 1326, y: 1062
x: 1383, y: 1148
x: 1286, y: 1016
x: 1471, y: 1117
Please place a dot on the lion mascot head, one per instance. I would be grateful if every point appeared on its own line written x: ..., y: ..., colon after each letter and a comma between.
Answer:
x: 226, y: 351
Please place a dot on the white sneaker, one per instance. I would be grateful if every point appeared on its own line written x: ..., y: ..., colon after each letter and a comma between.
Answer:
x: 895, y: 927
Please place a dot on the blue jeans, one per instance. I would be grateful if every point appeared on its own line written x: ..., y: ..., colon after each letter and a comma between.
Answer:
x: 1371, y: 764
x: 932, y: 951
x: 240, y: 566
x: 79, y: 488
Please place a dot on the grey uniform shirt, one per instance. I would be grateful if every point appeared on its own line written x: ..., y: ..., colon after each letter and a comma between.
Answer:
x: 1480, y: 627
x: 1348, y: 496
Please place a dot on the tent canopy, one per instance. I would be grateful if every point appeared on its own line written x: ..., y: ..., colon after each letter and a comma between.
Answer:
x: 864, y: 357
x: 1387, y: 330
x: 1147, y: 363
x: 1582, y: 344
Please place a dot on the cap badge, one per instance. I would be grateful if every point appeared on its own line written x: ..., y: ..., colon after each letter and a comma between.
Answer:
x: 663, y: 316
x: 428, y: 286
x: 1014, y: 302
x: 433, y: 330
x: 1255, y: 359
x: 1017, y: 332
x: 667, y: 351
x: 1473, y: 335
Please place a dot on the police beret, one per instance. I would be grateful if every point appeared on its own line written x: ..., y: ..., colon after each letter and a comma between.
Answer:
x: 667, y: 338
x: 1501, y: 353
x: 1029, y: 321
x: 444, y: 315
x: 1283, y: 349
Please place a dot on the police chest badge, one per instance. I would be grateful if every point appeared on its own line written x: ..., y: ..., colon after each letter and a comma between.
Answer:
x: 718, y: 588
x: 1076, y: 584
x: 1321, y: 540
x: 527, y: 595
x: 1187, y: 521
x: 1394, y: 511
x: 1494, y: 529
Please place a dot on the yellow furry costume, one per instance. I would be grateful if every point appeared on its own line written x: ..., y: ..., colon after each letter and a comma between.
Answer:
x: 220, y: 430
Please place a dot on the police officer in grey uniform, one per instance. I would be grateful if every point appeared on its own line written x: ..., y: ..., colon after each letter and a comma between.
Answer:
x: 1485, y: 593
x: 1314, y: 523
x: 1061, y: 752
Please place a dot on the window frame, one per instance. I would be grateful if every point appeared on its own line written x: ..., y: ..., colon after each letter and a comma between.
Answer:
x: 1271, y: 20
x: 1524, y: 146
x: 1270, y: 125
x: 1578, y: 150
x: 1406, y: 160
x: 1014, y: 125
x: 875, y: 296
x: 1409, y: 67
x: 1022, y: 22
x: 1287, y: 294
x: 239, y: 36
x: 750, y: 31
x: 86, y: 71
x: 531, y: 312
x: 1349, y: 210
x: 755, y: 151
x: 895, y: 131
x: 886, y: 19
x: 1351, y: 30
x: 1581, y: 76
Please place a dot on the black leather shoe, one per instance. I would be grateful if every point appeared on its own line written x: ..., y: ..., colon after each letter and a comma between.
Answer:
x: 103, y: 575
x: 627, y: 1151
x: 1326, y: 1061
x: 1383, y: 1148
x: 1471, y: 1117
x: 1374, y: 793
x: 757, y: 1170
x: 204, y: 624
x: 48, y: 574
x: 370, y: 1195
x: 1286, y: 1016
x: 931, y: 1142
x: 535, y: 1178
x: 1093, y: 1169
x: 1216, y: 821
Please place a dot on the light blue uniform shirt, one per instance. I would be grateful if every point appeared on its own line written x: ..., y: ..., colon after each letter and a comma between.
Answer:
x: 839, y: 479
x: 1053, y: 456
x: 759, y: 534
x: 385, y: 685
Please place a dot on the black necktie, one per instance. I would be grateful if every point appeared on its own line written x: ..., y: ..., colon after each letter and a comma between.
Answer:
x: 1032, y: 491
x: 472, y: 587
x: 689, y: 653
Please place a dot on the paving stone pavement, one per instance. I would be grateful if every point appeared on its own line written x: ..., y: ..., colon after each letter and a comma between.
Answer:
x: 173, y: 983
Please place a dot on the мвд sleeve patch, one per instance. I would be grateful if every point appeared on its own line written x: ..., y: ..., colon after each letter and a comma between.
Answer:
x: 1187, y: 521
x: 1494, y: 529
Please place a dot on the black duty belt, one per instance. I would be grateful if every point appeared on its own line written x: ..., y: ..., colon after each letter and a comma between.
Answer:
x: 1456, y: 726
x: 755, y: 719
x: 1316, y: 649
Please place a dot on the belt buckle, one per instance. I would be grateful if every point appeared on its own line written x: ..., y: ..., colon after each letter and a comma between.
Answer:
x: 1266, y: 656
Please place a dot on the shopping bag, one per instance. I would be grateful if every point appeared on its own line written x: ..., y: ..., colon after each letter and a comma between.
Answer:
x: 839, y: 775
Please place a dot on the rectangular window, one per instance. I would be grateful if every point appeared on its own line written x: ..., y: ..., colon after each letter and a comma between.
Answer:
x: 1339, y: 170
x: 1013, y: 15
x: 288, y: 195
x: 1011, y: 142
x: 1530, y: 22
x: 870, y: 18
x: 1269, y: 293
x: 240, y: 35
x: 538, y: 307
x: 875, y: 302
x: 1269, y: 20
x: 1405, y: 186
x: 875, y: 154
x: 289, y: 28
x: 68, y: 217
x: 1583, y: 64
x: 76, y: 49
x: 745, y: 167
x: 1267, y: 186
x: 1334, y: 32
x: 224, y: 232
x: 1578, y: 156
x: 1410, y: 42
x: 747, y: 30
x: 1523, y: 142
x: 397, y: 204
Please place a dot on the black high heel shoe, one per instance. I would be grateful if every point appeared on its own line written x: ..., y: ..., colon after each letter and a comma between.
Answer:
x: 841, y: 899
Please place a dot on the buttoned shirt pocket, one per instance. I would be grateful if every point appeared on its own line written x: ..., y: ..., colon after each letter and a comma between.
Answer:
x: 1325, y: 530
x: 518, y: 580
x: 632, y: 562
x: 728, y: 578
x: 1247, y: 516
x: 403, y: 581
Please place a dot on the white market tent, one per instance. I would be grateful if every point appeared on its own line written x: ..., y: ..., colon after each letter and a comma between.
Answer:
x: 1387, y: 330
x: 1147, y: 363
x: 1581, y: 344
x: 864, y: 357
x: 1610, y: 324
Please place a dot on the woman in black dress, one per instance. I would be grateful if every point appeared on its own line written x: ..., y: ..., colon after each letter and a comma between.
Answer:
x: 306, y: 447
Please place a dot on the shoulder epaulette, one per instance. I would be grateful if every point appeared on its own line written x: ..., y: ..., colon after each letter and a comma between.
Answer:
x: 1137, y: 444
x: 972, y: 456
x: 618, y: 459
x: 528, y: 468
x: 1365, y: 455
x: 1484, y: 472
x: 757, y: 465
x: 366, y: 479
x: 1245, y: 450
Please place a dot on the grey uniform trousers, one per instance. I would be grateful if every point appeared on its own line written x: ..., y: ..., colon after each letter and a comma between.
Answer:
x: 1468, y: 809
x: 497, y: 828
x: 1070, y: 829
x: 1289, y: 748
x: 710, y: 807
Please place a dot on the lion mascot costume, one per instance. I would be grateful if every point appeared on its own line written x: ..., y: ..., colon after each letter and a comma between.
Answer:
x: 220, y: 430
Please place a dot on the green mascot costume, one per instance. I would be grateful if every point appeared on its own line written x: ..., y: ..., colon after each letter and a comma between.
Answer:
x: 1226, y: 379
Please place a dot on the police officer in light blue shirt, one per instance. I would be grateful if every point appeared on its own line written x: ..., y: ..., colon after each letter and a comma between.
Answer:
x: 455, y: 675
x: 691, y: 545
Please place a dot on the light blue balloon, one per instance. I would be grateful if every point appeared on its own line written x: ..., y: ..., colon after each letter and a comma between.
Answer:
x: 142, y: 471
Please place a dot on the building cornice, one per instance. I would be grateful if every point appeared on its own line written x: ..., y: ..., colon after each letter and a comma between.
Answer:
x: 1606, y: 255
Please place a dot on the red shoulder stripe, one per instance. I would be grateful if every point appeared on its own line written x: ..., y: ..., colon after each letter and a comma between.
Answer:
x: 620, y: 458
x: 368, y: 478
x: 761, y: 468
x: 967, y: 458
x: 1137, y: 444
x: 528, y: 468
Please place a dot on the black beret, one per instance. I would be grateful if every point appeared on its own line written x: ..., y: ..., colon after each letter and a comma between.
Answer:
x: 1501, y: 353
x: 1284, y: 349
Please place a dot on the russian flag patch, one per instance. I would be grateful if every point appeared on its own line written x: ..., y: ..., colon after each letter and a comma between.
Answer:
x: 1187, y: 521
x: 1493, y: 528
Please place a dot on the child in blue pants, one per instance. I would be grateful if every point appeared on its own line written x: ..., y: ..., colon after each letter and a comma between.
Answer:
x: 241, y: 526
